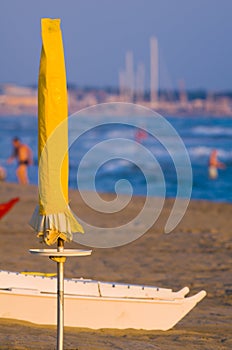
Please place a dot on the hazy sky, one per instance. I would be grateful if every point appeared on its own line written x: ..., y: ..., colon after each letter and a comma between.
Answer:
x: 194, y: 39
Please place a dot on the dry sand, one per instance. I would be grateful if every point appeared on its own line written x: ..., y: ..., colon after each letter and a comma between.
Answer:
x: 198, y: 254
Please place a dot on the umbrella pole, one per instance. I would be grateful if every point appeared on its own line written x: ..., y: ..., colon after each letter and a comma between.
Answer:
x: 59, y: 256
x: 60, y: 296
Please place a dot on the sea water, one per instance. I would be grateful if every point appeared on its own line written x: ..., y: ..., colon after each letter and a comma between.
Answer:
x: 200, y: 134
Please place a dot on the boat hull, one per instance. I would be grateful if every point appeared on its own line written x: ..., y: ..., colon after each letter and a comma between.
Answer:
x: 36, y: 306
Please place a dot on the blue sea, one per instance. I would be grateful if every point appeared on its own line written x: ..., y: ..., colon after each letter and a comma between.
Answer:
x: 129, y: 169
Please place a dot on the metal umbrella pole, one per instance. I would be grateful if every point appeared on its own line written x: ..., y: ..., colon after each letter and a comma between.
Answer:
x: 59, y: 255
x: 60, y: 295
x: 60, y: 260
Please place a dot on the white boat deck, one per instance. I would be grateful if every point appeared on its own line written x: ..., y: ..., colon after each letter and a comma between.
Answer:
x: 84, y: 287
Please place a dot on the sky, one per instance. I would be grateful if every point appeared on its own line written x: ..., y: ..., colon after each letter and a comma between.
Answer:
x: 194, y: 38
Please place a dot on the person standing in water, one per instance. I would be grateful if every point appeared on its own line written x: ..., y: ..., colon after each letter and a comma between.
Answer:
x: 23, y: 154
x: 214, y: 164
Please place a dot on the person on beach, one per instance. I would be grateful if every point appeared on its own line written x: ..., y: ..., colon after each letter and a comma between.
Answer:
x: 23, y: 154
x: 140, y: 135
x: 2, y: 174
x: 214, y: 165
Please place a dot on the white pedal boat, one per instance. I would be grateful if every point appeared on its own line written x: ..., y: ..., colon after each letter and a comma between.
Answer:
x: 93, y: 304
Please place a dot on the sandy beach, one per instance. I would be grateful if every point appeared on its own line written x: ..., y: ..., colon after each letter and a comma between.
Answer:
x: 197, y: 254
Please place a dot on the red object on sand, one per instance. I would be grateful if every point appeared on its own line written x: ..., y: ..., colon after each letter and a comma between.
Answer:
x: 5, y: 207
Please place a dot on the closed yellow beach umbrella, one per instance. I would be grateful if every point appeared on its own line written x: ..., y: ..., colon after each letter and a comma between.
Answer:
x: 53, y: 218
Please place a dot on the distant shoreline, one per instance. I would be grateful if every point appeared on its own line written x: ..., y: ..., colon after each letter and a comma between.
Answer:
x: 20, y: 100
x: 111, y: 195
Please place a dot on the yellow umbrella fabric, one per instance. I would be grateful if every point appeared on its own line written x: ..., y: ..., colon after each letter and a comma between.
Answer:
x: 53, y: 218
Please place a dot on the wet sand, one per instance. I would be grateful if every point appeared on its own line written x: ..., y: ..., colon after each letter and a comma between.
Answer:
x: 197, y: 254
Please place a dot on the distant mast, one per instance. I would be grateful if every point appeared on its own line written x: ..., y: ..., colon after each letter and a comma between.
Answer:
x: 140, y: 82
x: 182, y: 93
x: 122, y: 85
x: 154, y: 67
x: 130, y: 76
